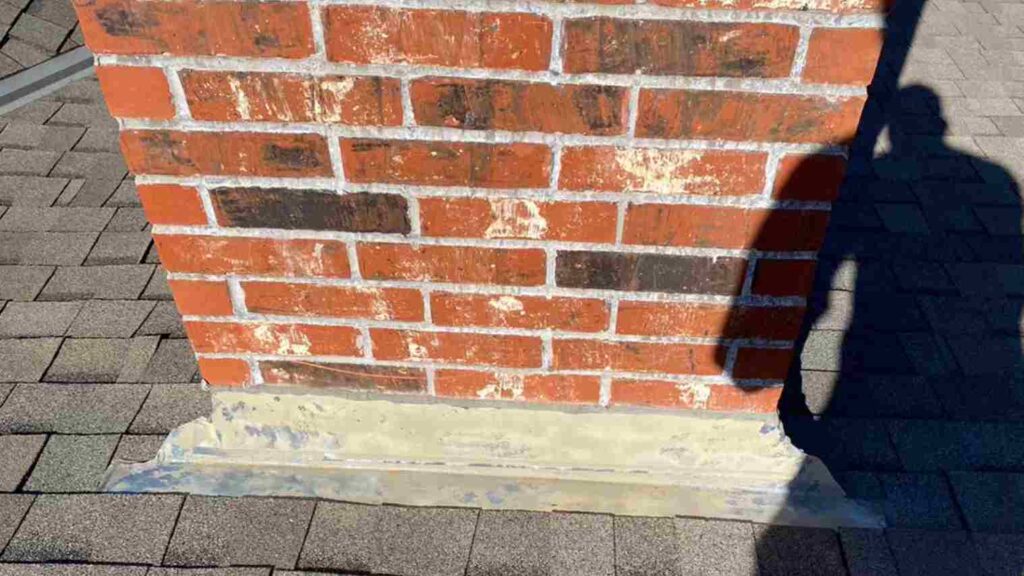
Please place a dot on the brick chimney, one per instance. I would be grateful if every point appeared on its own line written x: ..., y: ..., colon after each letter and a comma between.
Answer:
x: 603, y: 203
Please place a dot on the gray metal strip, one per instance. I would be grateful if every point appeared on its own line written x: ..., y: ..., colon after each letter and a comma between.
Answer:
x: 40, y: 80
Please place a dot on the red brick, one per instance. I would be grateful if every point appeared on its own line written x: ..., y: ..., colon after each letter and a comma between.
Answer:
x: 480, y: 349
x: 172, y: 205
x: 225, y: 153
x: 335, y: 301
x: 679, y: 48
x: 520, y: 106
x: 312, y: 209
x: 227, y: 372
x: 762, y: 363
x: 276, y: 339
x: 267, y: 256
x: 709, y: 320
x: 343, y: 376
x: 689, y: 396
x: 720, y: 227
x: 843, y: 55
x: 455, y: 264
x: 446, y: 163
x: 136, y: 92
x: 638, y: 357
x: 276, y: 97
x: 531, y: 312
x: 201, y: 28
x: 515, y: 218
x: 518, y: 387
x: 674, y: 172
x: 783, y: 277
x: 811, y: 177
x: 837, y: 6
x: 745, y: 116
x: 202, y: 297
x: 378, y: 35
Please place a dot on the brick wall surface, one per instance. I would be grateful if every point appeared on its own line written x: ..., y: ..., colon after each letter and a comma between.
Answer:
x: 577, y: 202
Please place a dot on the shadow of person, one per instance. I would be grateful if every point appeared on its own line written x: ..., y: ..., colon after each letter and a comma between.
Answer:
x: 915, y: 315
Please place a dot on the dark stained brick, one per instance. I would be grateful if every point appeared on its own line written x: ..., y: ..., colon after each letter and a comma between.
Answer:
x: 650, y: 272
x: 350, y: 376
x: 520, y: 106
x: 665, y: 47
x: 310, y: 210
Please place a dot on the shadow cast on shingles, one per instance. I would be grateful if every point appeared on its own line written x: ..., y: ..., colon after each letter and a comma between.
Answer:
x: 917, y: 300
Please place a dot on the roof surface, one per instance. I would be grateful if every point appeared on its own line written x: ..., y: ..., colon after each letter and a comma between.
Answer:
x: 913, y: 362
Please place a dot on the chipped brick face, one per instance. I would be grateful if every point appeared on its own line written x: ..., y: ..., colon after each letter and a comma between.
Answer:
x: 603, y: 202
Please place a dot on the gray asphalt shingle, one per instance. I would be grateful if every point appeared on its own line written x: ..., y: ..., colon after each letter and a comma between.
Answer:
x: 123, y: 528
x: 991, y: 501
x: 89, y: 360
x: 119, y: 248
x: 646, y: 547
x: 17, y: 456
x: 867, y: 553
x: 71, y: 408
x: 173, y: 361
x: 63, y: 219
x: 124, y: 282
x: 26, y: 359
x: 169, y: 406
x: 342, y: 537
x: 535, y: 542
x: 72, y: 464
x: 12, y: 509
x: 35, y: 319
x: 138, y: 447
x: 226, y: 531
x: 715, y: 547
x: 926, y: 553
x: 71, y: 570
x: 785, y: 551
x: 23, y: 282
x: 108, y: 318
x: 425, y: 541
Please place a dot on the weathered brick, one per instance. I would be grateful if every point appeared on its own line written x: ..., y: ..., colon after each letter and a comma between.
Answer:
x: 520, y: 106
x: 518, y: 387
x: 197, y: 27
x: 783, y: 277
x: 172, y: 204
x: 380, y: 35
x: 335, y: 301
x: 709, y: 320
x: 310, y: 210
x: 278, y: 97
x: 225, y: 372
x: 225, y: 153
x: 838, y: 6
x: 680, y: 48
x: 723, y: 115
x: 478, y: 349
x: 763, y: 363
x: 531, y: 312
x: 455, y: 264
x: 446, y: 163
x: 222, y: 255
x: 719, y: 227
x: 202, y: 297
x: 699, y: 359
x: 136, y: 92
x: 815, y: 177
x: 718, y: 398
x: 516, y: 218
x: 650, y: 272
x: 842, y: 55
x: 264, y: 338
x: 671, y: 172
x: 347, y: 376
